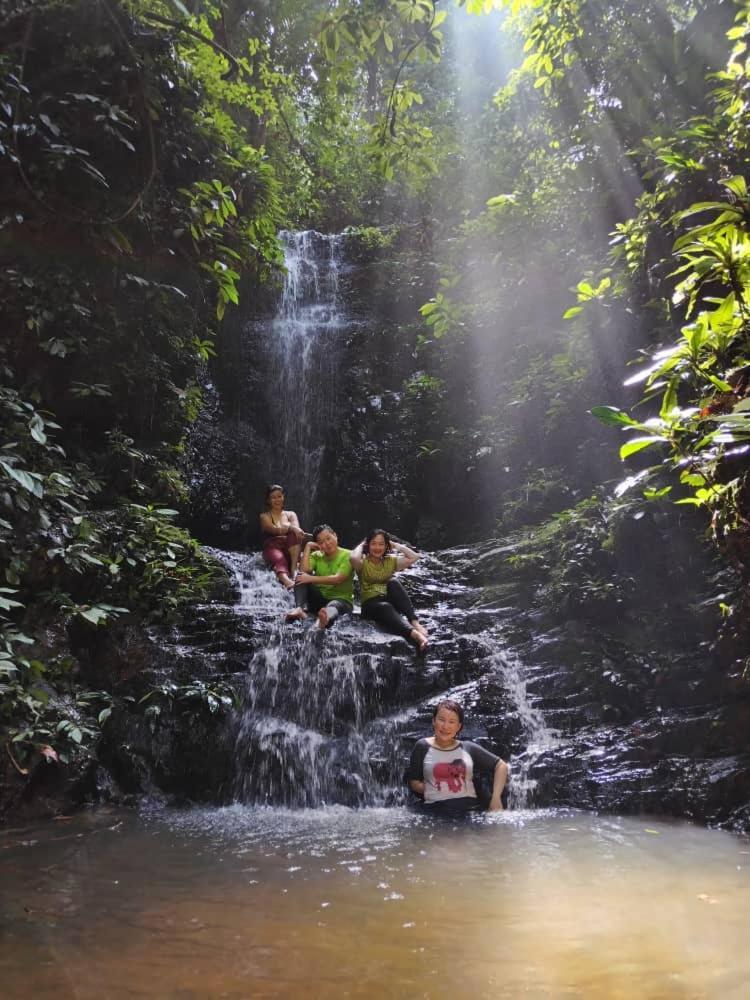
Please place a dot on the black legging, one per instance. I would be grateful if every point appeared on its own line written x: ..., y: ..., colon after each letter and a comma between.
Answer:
x: 387, y: 611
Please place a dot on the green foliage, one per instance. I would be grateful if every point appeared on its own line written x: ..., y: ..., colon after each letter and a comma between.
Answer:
x: 442, y: 313
x: 196, y: 698
x: 605, y: 113
x: 571, y: 561
x: 371, y: 237
x: 699, y: 382
x: 130, y: 204
x: 43, y: 713
x: 401, y: 140
x: 155, y: 565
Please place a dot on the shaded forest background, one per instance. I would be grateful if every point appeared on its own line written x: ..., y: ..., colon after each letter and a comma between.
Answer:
x: 537, y: 195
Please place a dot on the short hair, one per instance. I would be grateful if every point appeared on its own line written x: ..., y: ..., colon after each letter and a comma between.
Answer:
x: 452, y: 706
x: 373, y: 533
x: 319, y: 528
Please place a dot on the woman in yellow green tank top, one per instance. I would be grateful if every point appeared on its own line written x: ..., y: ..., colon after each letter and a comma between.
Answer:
x: 384, y: 600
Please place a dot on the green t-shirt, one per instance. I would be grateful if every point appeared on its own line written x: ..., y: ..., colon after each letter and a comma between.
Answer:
x: 374, y: 577
x: 340, y: 562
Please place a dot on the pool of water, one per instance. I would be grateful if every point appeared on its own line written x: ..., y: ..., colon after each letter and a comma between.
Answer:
x: 247, y: 903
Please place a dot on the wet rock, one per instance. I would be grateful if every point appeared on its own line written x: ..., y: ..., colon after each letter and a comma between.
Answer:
x: 585, y: 718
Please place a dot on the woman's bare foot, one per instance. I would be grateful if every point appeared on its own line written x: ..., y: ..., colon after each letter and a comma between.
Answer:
x: 285, y: 580
x: 419, y: 640
x: 418, y: 627
x: 322, y: 618
x: 298, y: 615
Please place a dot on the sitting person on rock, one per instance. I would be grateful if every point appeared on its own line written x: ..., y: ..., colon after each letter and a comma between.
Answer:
x: 384, y: 599
x: 442, y: 767
x: 282, y: 536
x: 325, y: 585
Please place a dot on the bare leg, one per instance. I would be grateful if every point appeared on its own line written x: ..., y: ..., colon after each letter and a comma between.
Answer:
x: 323, y: 618
x: 418, y: 626
x: 285, y: 580
x: 294, y: 551
x: 419, y: 640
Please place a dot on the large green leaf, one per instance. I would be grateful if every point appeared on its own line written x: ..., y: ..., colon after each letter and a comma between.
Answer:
x: 612, y: 416
x: 638, y: 444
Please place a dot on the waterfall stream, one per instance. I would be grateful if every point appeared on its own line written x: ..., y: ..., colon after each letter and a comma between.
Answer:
x: 270, y: 884
x: 330, y: 717
x: 303, y: 346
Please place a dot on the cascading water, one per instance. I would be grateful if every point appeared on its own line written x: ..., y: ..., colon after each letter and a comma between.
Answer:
x: 305, y: 700
x: 539, y: 738
x: 329, y: 717
x: 303, y: 342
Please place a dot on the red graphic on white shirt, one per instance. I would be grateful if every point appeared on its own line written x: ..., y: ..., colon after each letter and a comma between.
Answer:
x: 454, y: 774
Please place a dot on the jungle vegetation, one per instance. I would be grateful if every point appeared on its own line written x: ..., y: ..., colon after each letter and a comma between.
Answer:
x: 151, y: 151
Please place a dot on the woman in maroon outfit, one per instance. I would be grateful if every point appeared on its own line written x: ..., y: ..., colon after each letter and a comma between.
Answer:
x: 282, y: 536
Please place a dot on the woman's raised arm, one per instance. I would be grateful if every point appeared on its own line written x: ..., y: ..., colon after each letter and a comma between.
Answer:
x: 304, y: 563
x: 356, y: 556
x: 406, y: 556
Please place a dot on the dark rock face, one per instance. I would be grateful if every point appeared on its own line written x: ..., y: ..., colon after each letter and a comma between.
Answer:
x: 321, y: 716
x: 276, y: 397
x: 623, y: 707
x: 332, y: 716
x: 308, y: 390
x: 644, y: 721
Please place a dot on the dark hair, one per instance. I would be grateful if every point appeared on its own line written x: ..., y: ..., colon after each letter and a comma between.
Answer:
x: 321, y: 527
x: 452, y: 706
x: 272, y: 489
x: 373, y: 534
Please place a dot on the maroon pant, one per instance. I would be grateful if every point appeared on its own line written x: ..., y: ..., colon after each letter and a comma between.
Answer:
x: 276, y: 553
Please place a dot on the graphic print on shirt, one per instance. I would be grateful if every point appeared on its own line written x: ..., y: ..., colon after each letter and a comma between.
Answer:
x: 452, y: 773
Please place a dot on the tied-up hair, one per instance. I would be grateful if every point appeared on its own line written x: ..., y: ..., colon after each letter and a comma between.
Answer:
x: 374, y: 534
x: 451, y: 706
x: 320, y: 528
x: 272, y: 489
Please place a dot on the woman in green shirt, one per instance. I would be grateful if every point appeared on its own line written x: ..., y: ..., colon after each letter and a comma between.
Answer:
x: 384, y: 600
x: 324, y: 586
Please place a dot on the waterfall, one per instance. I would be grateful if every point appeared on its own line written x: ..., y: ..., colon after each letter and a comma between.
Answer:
x: 539, y: 737
x: 303, y: 350
x: 304, y: 698
x: 329, y: 717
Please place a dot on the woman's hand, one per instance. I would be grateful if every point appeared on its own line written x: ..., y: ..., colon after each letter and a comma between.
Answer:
x: 297, y: 533
x: 305, y: 578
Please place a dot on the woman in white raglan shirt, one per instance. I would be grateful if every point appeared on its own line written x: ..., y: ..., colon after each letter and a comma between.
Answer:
x: 442, y: 766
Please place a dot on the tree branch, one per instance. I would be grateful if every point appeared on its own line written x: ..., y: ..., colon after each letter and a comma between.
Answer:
x: 234, y: 66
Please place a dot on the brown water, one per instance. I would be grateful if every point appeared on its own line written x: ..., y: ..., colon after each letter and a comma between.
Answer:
x: 246, y: 903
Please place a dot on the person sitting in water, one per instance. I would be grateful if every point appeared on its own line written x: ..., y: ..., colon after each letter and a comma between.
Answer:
x: 325, y: 585
x: 442, y: 767
x: 384, y: 599
x: 282, y: 536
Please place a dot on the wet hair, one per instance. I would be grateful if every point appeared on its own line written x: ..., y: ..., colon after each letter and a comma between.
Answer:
x: 451, y: 706
x: 374, y: 534
x: 319, y: 528
x: 272, y: 489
